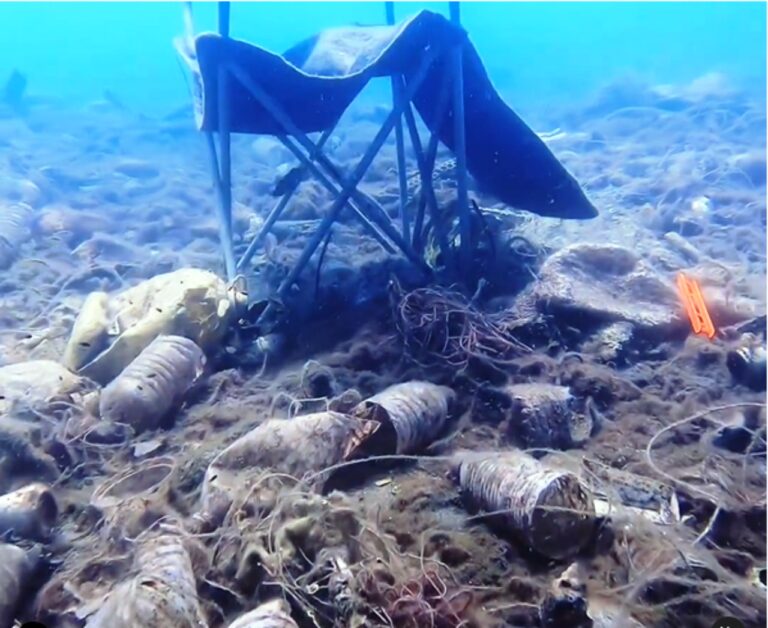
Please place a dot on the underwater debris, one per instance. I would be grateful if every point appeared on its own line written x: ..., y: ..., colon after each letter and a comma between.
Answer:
x: 747, y: 364
x: 15, y: 230
x: 272, y: 614
x: 417, y: 411
x: 136, y: 169
x: 695, y: 307
x: 111, y: 331
x: 552, y: 511
x: 153, y: 383
x: 317, y: 380
x: 432, y: 567
x: 17, y: 567
x: 312, y: 545
x: 29, y: 512
x: 611, y: 344
x: 288, y: 179
x: 685, y: 248
x: 443, y: 327
x: 566, y: 601
x: 14, y: 90
x: 285, y: 450
x: 640, y: 495
x: 744, y: 433
x: 425, y: 599
x: 163, y: 592
x: 32, y: 388
x: 128, y: 499
x: 71, y: 225
x: 544, y: 416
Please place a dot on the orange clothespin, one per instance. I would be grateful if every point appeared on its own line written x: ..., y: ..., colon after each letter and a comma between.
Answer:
x: 690, y: 293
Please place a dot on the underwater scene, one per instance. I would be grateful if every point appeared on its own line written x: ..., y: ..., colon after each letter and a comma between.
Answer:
x: 383, y: 314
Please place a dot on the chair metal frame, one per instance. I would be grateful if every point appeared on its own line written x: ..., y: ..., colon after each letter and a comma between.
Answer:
x: 371, y: 215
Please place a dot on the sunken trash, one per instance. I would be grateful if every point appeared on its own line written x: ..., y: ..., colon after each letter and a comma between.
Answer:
x: 112, y: 330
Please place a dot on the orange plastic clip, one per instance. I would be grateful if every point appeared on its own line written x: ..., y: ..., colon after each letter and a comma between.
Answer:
x: 690, y: 293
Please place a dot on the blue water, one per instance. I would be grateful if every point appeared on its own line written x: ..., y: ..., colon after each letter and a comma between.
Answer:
x: 536, y: 52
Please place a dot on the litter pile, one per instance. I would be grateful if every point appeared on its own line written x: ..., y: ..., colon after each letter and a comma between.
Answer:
x: 554, y: 450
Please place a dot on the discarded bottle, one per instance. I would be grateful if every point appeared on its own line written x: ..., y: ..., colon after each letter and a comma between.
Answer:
x: 285, y: 447
x: 15, y: 229
x: 34, y: 387
x: 17, y: 567
x: 544, y: 415
x: 163, y: 593
x: 550, y: 510
x: 125, y: 498
x: 417, y: 411
x: 113, y: 329
x: 154, y: 383
x: 28, y: 513
x: 272, y: 614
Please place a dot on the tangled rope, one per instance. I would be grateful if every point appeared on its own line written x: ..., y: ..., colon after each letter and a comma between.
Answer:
x: 444, y: 326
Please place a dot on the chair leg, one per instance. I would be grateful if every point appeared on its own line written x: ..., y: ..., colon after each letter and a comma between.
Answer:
x: 276, y: 212
x: 397, y: 96
x: 426, y: 163
x: 369, y: 225
x: 460, y: 149
x: 378, y: 216
x: 225, y: 229
x: 351, y: 184
x: 224, y: 174
x: 426, y: 167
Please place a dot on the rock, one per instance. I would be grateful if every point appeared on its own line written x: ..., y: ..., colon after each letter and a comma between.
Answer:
x: 595, y: 284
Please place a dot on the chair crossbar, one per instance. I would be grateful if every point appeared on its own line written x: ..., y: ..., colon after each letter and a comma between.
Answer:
x: 369, y: 210
x: 277, y: 210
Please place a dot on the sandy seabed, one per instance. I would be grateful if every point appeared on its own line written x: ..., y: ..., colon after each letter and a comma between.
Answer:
x: 119, y: 197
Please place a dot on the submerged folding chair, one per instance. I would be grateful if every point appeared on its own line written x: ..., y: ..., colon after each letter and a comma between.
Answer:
x: 241, y: 88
